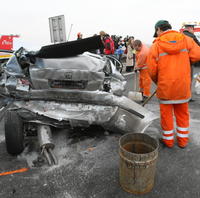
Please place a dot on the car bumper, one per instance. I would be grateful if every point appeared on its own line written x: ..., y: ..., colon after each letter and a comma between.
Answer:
x: 81, y: 108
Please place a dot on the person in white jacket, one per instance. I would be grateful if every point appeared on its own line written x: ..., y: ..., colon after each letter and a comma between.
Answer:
x: 130, y: 56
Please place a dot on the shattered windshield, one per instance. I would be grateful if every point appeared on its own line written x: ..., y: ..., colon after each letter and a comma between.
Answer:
x: 13, y: 66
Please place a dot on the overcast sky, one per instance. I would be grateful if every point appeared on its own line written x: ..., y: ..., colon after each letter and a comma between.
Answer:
x: 29, y: 19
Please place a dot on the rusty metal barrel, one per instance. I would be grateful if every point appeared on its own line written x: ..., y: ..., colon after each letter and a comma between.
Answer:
x: 138, y: 156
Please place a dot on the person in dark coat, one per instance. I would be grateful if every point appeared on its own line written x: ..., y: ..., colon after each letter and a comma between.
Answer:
x: 189, y: 31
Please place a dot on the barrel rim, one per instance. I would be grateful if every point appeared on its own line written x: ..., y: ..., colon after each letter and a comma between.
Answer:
x: 124, y: 150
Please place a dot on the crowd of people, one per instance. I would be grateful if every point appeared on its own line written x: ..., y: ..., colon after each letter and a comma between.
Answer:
x: 168, y: 63
x: 121, y: 48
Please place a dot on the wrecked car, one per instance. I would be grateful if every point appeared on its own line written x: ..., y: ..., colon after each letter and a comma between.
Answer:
x: 52, y: 88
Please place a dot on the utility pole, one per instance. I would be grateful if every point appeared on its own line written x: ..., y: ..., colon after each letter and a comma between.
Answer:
x: 69, y: 32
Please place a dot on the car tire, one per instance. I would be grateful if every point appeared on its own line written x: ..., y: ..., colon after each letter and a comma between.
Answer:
x: 14, y: 135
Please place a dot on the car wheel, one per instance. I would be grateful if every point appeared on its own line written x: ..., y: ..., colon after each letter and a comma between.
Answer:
x: 14, y: 135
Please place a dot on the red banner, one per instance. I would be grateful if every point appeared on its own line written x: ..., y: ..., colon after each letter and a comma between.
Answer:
x: 6, y: 41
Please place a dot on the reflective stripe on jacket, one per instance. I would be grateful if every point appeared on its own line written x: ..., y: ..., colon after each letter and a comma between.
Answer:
x: 169, y: 66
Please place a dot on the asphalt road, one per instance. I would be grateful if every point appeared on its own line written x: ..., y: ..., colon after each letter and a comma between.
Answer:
x: 89, y: 165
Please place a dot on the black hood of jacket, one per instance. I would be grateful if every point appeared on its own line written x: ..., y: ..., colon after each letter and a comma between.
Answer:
x: 187, y: 33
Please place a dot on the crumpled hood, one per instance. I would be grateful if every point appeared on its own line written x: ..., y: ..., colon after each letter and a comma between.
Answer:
x: 171, y: 42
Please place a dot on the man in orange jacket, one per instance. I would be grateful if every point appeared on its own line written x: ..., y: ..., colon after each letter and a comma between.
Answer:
x: 141, y: 58
x: 169, y: 67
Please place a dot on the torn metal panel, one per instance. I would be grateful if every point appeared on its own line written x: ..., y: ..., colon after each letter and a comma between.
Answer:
x: 116, y: 118
x: 93, y: 114
x: 124, y: 122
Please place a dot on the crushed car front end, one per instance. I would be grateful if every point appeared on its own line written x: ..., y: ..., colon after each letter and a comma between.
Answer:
x: 81, y: 91
x: 75, y: 91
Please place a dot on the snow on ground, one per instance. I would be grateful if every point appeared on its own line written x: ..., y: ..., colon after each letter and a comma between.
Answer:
x: 60, y: 151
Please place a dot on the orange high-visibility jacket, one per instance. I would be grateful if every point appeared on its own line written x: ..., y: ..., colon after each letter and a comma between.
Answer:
x: 169, y: 66
x: 141, y: 57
